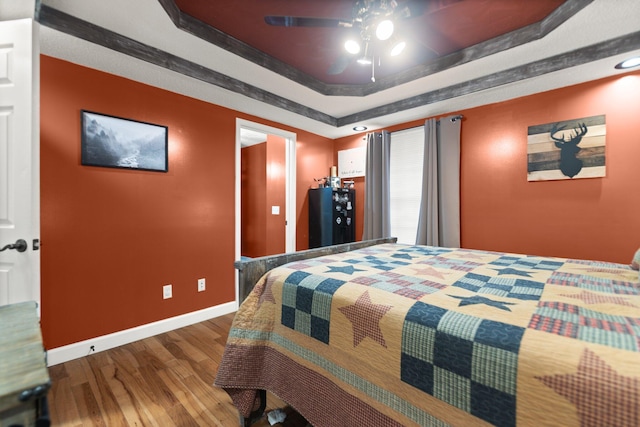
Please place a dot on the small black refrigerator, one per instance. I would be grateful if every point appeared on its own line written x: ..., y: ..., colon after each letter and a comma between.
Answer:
x: 331, y: 216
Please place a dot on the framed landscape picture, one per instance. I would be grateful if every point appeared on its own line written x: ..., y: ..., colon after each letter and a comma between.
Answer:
x: 115, y: 142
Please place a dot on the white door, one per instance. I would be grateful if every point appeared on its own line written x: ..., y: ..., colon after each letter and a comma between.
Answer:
x: 19, y: 161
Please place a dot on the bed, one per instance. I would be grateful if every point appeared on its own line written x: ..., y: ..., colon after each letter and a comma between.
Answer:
x: 399, y: 335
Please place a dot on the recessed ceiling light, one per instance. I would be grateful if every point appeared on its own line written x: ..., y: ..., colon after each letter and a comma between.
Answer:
x: 360, y: 128
x: 629, y: 63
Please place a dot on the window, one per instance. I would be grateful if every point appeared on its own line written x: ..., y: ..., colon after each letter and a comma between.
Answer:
x: 405, y: 169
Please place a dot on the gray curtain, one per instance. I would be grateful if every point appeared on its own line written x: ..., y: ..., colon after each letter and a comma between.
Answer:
x: 376, y: 193
x: 439, y: 222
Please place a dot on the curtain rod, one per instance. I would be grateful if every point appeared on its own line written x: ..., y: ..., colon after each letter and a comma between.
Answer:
x: 453, y: 119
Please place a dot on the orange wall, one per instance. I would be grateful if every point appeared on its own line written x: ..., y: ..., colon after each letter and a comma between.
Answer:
x: 313, y: 161
x: 584, y: 218
x: 254, y: 199
x: 112, y: 237
x: 593, y: 218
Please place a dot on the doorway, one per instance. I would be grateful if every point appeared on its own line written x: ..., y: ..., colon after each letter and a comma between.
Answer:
x: 248, y: 133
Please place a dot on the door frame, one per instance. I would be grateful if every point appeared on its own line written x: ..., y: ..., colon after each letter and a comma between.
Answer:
x: 290, y: 184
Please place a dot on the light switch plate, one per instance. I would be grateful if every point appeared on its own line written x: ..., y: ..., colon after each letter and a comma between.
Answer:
x: 167, y: 291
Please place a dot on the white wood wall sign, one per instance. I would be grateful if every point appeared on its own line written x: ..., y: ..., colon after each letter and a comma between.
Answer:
x: 351, y: 163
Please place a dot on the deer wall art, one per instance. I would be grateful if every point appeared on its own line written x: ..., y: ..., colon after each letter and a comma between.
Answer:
x: 567, y: 150
x: 570, y: 165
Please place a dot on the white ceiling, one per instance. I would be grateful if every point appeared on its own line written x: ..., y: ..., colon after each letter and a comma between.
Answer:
x: 147, y: 22
x: 249, y: 137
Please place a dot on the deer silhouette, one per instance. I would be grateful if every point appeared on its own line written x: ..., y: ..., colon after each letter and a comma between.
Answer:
x: 569, y: 165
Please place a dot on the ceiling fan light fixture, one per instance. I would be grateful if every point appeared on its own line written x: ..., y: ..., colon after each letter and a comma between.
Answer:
x: 398, y: 47
x: 352, y: 46
x: 384, y: 29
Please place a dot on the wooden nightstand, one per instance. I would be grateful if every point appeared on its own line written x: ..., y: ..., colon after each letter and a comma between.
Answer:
x: 24, y: 379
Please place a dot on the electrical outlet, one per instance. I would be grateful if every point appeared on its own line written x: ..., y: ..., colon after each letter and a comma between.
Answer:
x: 201, y: 285
x: 167, y: 291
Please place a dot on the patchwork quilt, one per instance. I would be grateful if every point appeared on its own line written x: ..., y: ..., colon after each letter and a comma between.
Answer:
x: 397, y: 335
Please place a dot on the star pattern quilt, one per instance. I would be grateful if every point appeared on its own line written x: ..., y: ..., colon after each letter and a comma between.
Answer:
x: 397, y: 335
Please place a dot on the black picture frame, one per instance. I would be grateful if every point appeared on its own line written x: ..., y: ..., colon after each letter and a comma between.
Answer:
x: 116, y: 142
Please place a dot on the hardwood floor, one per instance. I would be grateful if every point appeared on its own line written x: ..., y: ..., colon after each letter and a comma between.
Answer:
x: 165, y: 380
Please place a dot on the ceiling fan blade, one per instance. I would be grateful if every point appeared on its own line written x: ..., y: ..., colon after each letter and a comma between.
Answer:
x: 410, y: 9
x: 340, y: 64
x: 414, y: 8
x: 301, y: 21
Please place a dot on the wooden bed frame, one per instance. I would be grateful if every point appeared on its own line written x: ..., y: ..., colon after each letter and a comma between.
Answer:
x: 250, y: 271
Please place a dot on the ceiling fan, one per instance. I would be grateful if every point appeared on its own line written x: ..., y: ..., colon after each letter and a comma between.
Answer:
x: 373, y: 22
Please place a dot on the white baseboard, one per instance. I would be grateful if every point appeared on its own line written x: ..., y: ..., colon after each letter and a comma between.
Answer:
x: 84, y: 348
